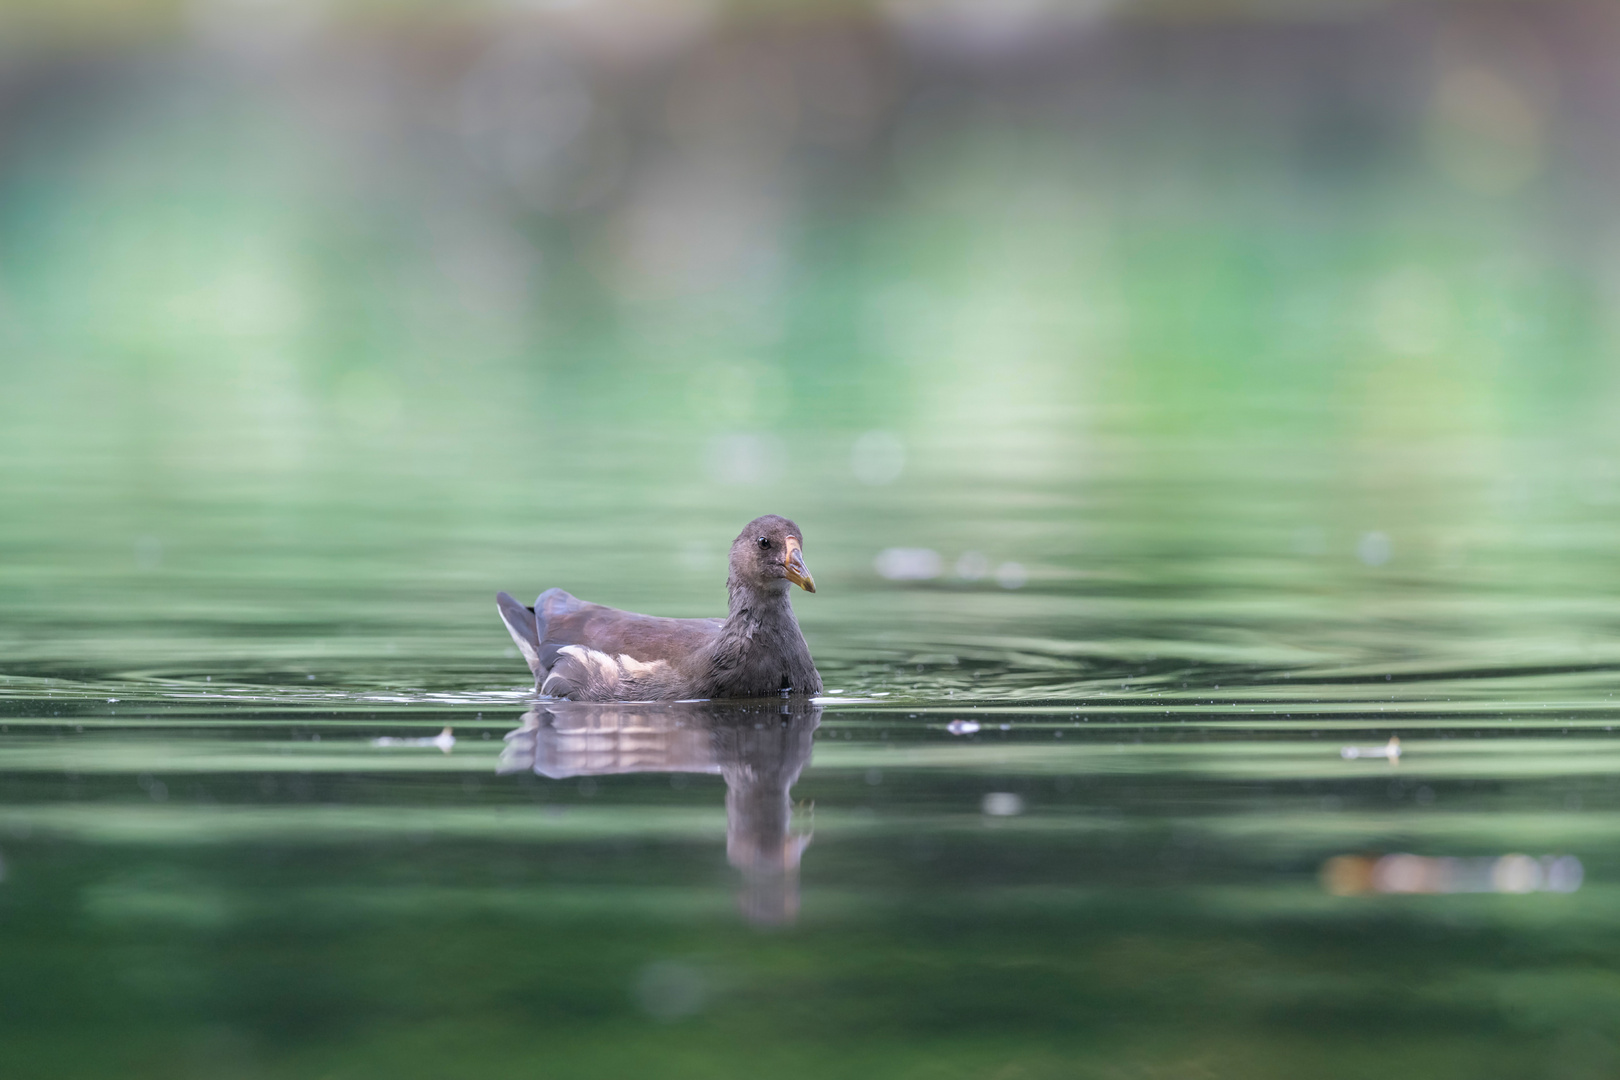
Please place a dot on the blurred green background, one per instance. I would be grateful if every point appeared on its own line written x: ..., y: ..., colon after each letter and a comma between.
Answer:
x: 423, y: 300
x: 1205, y: 384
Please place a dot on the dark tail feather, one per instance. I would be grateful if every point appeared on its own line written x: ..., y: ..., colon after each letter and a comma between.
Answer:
x: 520, y: 623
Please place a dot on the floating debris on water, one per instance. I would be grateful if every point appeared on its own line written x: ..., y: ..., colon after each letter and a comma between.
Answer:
x: 1390, y: 750
x: 962, y: 727
x: 1359, y: 875
x: 443, y: 740
x: 1003, y: 804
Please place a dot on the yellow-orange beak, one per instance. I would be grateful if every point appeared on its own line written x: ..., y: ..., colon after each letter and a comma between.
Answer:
x: 797, y: 572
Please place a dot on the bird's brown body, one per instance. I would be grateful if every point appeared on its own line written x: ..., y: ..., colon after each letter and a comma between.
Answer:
x: 588, y: 652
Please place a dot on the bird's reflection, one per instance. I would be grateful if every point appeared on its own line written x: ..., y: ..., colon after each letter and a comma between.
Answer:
x: 759, y: 748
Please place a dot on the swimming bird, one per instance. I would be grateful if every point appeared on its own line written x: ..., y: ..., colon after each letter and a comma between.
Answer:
x: 588, y: 652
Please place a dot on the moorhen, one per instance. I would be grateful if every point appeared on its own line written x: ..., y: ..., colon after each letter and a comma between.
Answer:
x: 587, y: 652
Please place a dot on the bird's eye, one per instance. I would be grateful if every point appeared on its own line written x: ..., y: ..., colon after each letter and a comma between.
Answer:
x: 764, y: 541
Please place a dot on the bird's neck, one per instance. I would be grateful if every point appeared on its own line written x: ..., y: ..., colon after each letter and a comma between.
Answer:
x: 754, y: 609
x: 759, y: 649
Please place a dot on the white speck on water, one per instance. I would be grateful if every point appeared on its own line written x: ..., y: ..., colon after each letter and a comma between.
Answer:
x: 444, y: 741
x: 962, y: 727
x: 1002, y: 804
x: 1563, y: 873
x: 1516, y: 874
x: 1374, y: 549
x: 1390, y: 750
x: 907, y: 564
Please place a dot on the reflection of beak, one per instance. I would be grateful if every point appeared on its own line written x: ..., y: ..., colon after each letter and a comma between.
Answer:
x: 797, y: 572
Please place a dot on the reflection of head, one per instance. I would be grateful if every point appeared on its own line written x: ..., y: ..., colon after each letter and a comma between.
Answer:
x: 760, y: 761
x: 760, y: 749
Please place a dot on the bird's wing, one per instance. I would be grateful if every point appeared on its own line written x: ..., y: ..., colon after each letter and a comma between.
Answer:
x: 589, y: 651
x: 645, y: 638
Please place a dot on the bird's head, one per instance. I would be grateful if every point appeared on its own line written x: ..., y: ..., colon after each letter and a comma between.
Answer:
x: 768, y: 555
